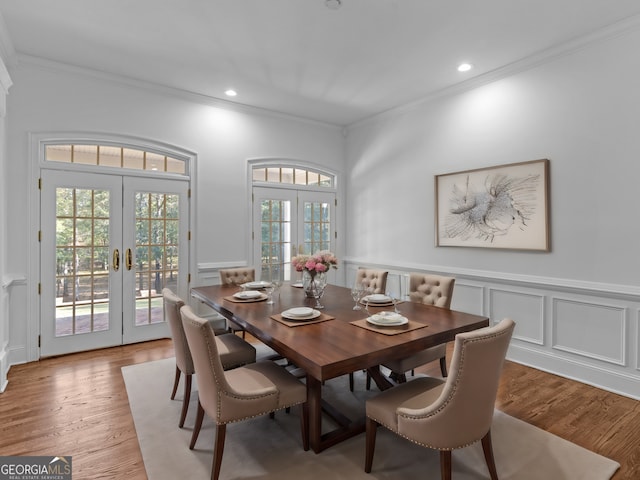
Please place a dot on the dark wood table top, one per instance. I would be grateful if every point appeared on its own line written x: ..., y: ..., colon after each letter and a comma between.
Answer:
x: 336, y: 347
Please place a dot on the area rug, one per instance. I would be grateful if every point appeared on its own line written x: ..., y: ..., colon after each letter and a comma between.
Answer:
x: 265, y: 448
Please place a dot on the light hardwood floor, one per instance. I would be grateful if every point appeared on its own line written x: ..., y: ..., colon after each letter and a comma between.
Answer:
x: 77, y: 405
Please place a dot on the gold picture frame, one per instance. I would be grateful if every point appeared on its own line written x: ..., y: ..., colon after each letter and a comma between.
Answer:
x: 504, y: 207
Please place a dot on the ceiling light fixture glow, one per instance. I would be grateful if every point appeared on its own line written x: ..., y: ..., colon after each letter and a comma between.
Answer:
x: 464, y: 67
x: 231, y: 93
x: 333, y: 4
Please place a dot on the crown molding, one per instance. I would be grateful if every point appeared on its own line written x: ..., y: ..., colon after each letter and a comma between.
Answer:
x: 55, y: 66
x: 539, y: 58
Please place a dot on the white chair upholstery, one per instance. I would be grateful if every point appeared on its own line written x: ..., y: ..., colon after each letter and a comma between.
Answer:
x: 240, y: 394
x: 234, y: 351
x: 374, y: 281
x: 452, y: 413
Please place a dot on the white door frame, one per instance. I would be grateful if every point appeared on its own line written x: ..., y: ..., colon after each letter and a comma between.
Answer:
x: 36, y: 145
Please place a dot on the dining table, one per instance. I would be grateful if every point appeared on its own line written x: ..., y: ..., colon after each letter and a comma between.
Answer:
x: 338, y: 342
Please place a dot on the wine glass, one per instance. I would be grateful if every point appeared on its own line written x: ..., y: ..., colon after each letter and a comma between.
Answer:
x: 356, y: 293
x: 269, y: 289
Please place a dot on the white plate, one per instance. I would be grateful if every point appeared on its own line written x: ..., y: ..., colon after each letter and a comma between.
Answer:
x: 386, y: 323
x: 299, y: 312
x: 297, y: 284
x: 247, y: 294
x: 315, y: 314
x: 377, y: 298
x: 260, y: 284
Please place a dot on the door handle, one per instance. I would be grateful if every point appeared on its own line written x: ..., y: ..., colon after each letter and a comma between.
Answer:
x: 128, y: 259
x: 116, y: 260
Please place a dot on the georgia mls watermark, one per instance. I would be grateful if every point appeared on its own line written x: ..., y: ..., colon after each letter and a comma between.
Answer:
x: 35, y: 468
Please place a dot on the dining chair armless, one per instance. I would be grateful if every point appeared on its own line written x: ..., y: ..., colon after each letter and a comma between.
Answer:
x: 447, y: 414
x: 240, y: 394
x: 236, y: 276
x: 434, y: 290
x: 234, y: 351
x: 373, y: 281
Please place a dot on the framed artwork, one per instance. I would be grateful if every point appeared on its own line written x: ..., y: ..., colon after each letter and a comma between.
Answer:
x: 505, y: 206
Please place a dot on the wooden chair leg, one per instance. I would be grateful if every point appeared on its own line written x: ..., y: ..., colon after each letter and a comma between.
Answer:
x: 445, y: 464
x: 368, y: 381
x: 443, y: 366
x: 176, y: 381
x: 372, y: 427
x: 304, y: 425
x: 218, y: 450
x: 197, y: 426
x: 351, y: 381
x: 487, y: 448
x: 185, y: 401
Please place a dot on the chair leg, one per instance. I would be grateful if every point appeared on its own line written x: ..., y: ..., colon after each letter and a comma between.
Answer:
x: 304, y: 425
x: 185, y: 401
x: 218, y: 450
x: 197, y: 426
x: 351, y: 381
x: 175, y: 383
x: 368, y: 381
x: 487, y: 448
x: 445, y: 464
x: 443, y: 366
x: 372, y: 427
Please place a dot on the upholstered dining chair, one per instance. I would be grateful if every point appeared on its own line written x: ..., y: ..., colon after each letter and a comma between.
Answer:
x: 447, y: 414
x: 429, y: 289
x: 234, y: 351
x: 240, y: 394
x: 373, y: 281
x: 236, y: 276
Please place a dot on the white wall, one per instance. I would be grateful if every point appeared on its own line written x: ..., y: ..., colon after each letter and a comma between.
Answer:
x: 45, y: 97
x: 577, y: 306
x: 5, y: 83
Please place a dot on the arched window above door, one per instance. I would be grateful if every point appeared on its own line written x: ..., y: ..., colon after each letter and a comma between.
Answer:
x: 291, y: 175
x: 115, y: 157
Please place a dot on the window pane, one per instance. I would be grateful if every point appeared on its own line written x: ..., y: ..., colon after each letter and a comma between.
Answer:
x: 259, y: 174
x: 58, y: 153
x: 109, y: 156
x: 154, y: 162
x: 287, y: 175
x: 176, y: 166
x: 132, y: 159
x: 301, y: 177
x: 85, y: 154
x: 273, y: 175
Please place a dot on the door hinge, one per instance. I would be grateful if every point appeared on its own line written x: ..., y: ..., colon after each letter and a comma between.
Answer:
x: 335, y: 235
x: 39, y: 288
x: 189, y: 235
x: 188, y: 278
x: 39, y: 235
x: 335, y: 202
x: 189, y: 193
x: 39, y: 341
x: 40, y: 184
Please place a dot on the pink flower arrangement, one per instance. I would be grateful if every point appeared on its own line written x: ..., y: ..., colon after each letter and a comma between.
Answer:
x: 316, y: 263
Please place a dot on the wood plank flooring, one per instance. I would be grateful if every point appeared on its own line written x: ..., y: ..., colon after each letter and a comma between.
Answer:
x: 77, y: 405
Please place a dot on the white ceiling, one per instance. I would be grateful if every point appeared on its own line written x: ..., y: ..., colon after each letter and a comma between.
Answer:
x: 297, y: 56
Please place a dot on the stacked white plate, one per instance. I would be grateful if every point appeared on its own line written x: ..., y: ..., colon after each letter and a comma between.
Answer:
x: 301, y: 313
x: 377, y: 298
x: 260, y: 284
x: 247, y: 294
x: 387, y: 319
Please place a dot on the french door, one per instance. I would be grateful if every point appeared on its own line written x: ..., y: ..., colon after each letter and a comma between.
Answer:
x: 109, y: 244
x: 288, y: 222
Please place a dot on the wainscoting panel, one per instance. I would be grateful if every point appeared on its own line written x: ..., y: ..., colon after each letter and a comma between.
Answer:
x: 524, y: 308
x: 593, y: 330
x: 585, y: 331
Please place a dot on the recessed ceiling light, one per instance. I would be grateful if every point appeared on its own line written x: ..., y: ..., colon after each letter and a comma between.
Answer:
x: 333, y: 4
x: 231, y: 93
x: 464, y: 67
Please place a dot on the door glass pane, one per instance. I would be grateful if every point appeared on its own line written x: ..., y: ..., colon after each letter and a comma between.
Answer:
x: 156, y: 253
x: 82, y: 263
x: 316, y: 228
x: 275, y: 230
